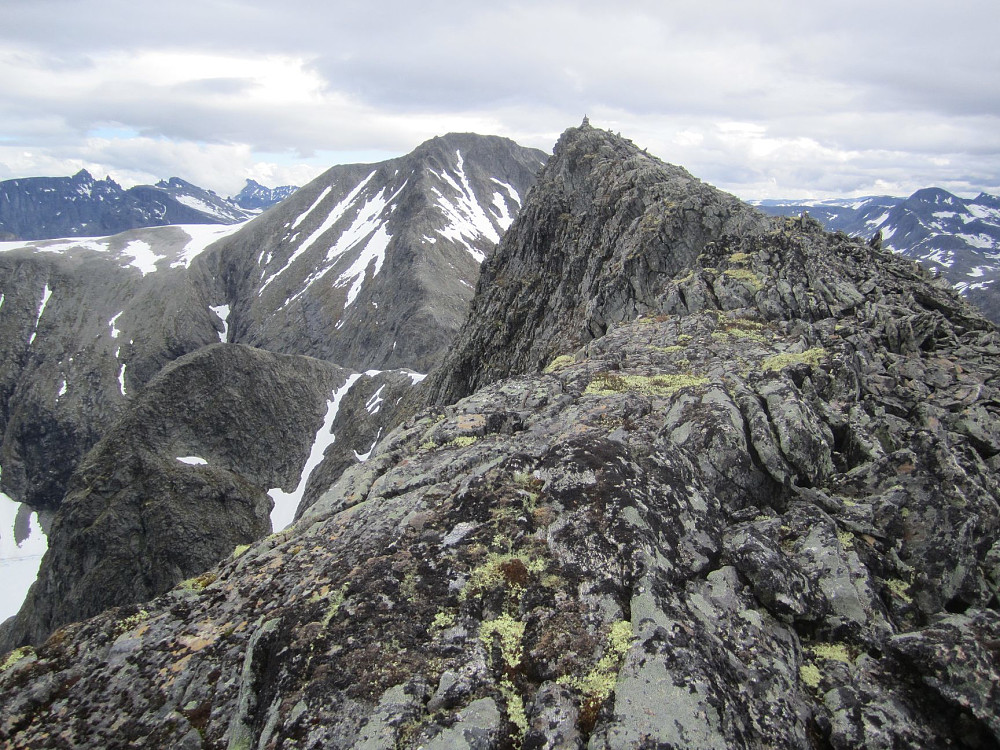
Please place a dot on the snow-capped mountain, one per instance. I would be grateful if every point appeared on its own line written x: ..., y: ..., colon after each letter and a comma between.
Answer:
x: 956, y: 237
x: 36, y: 208
x: 255, y: 196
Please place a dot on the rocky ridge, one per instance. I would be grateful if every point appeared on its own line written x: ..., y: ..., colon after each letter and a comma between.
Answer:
x: 955, y: 237
x: 762, y: 512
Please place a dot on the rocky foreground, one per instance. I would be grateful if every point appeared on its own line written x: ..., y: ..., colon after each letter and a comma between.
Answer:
x: 748, y: 500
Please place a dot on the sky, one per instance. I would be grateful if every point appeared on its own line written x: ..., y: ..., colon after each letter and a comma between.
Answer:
x: 765, y: 99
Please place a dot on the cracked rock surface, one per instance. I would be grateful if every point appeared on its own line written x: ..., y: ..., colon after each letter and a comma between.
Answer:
x: 760, y: 509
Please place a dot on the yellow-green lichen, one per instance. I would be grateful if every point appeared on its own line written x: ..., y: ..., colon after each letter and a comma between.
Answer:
x: 240, y: 549
x: 900, y: 589
x: 510, y: 632
x: 443, y: 620
x: 127, y: 623
x: 462, y: 441
x: 668, y: 349
x: 810, y: 675
x: 198, y: 582
x: 739, y: 258
x: 741, y: 274
x: 607, y: 384
x: 335, y: 600
x: 510, y: 570
x: 598, y: 684
x: 846, y: 539
x: 560, y: 362
x: 832, y: 652
x: 18, y: 654
x: 780, y: 361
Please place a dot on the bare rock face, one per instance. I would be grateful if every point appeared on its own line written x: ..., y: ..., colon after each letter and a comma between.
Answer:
x: 761, y: 512
x: 607, y: 226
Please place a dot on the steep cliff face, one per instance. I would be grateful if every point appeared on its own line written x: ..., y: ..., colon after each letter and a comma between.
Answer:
x: 760, y: 512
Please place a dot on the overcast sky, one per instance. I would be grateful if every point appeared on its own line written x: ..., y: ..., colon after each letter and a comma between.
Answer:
x: 764, y: 99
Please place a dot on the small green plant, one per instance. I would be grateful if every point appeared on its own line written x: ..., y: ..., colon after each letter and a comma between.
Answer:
x: 443, y: 621
x: 810, y: 675
x: 126, y: 624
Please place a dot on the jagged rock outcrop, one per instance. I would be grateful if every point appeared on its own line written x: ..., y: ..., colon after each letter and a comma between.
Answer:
x: 761, y: 512
x: 640, y: 220
x: 955, y: 237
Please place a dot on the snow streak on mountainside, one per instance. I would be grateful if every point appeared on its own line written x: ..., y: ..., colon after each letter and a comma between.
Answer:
x: 953, y: 236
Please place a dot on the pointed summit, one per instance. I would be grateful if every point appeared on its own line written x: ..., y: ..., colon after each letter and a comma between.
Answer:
x: 604, y: 228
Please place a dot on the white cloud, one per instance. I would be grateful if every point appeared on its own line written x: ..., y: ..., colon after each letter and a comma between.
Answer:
x: 761, y: 98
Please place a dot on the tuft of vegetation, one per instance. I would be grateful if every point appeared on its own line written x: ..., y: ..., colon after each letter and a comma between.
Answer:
x: 608, y: 384
x: 462, y: 441
x: 198, y: 582
x: 18, y: 654
x: 559, y: 363
x: 749, y: 277
x: 598, y: 684
x: 780, y: 361
x: 810, y: 675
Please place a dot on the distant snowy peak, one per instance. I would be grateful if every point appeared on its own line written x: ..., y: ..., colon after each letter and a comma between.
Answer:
x: 957, y: 237
x: 257, y: 197
x: 39, y: 208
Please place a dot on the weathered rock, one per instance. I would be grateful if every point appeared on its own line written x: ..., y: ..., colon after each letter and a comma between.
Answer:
x: 746, y: 519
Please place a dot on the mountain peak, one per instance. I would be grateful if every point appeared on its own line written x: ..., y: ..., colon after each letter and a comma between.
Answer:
x: 602, y: 230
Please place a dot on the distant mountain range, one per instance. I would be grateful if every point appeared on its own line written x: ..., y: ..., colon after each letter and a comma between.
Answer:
x: 40, y: 208
x: 949, y: 235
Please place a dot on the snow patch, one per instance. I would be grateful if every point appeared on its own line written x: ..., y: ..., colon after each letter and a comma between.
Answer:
x: 201, y: 237
x: 142, y: 256
x: 62, y: 389
x: 467, y: 219
x: 223, y: 312
x: 978, y: 240
x: 115, y: 333
x: 362, y: 457
x: 325, y: 192
x: 285, y: 503
x: 374, y: 404
x: 415, y: 377
x: 121, y: 377
x: 192, y: 460
x: 22, y: 544
x: 332, y: 218
x: 41, y: 308
x: 374, y: 252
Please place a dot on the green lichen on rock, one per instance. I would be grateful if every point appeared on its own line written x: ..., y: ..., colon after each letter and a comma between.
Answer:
x: 240, y: 549
x: 560, y: 362
x: 741, y: 274
x: 900, y: 588
x: 780, y: 361
x: 607, y: 384
x: 198, y: 582
x: 462, y: 441
x: 597, y: 685
x: 128, y: 623
x: 510, y: 570
x: 832, y: 652
x: 810, y: 675
x: 18, y: 654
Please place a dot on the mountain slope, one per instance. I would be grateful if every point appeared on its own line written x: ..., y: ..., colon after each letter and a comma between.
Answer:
x: 373, y: 266
x: 37, y: 208
x: 306, y: 278
x: 762, y: 514
x: 958, y: 238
